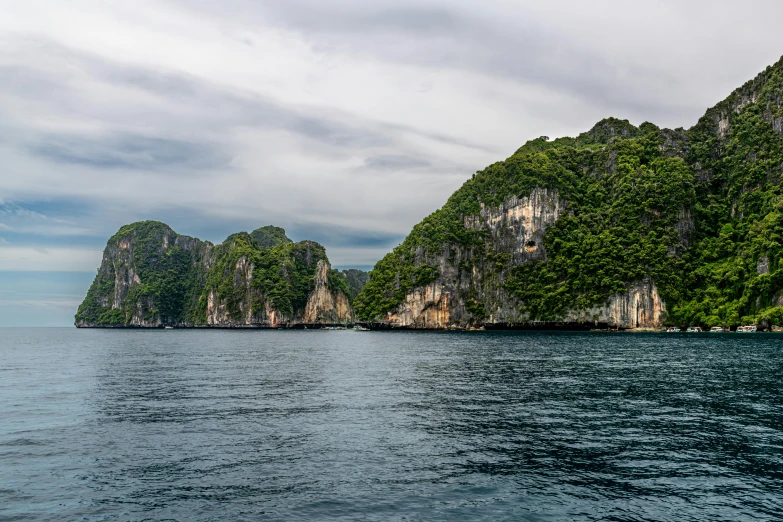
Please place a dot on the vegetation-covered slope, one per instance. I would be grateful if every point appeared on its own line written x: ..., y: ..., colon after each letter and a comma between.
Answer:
x: 151, y: 276
x: 697, y: 213
x: 356, y: 280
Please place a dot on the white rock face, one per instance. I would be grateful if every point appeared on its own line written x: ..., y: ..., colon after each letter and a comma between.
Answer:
x: 426, y: 307
x: 516, y: 227
x: 248, y: 307
x: 640, y: 307
x: 323, y: 306
x: 762, y: 267
x: 521, y: 220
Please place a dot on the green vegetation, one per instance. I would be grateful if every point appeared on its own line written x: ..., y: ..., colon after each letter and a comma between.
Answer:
x: 270, y: 236
x: 168, y: 278
x: 356, y: 280
x: 167, y: 281
x: 700, y: 212
x: 339, y: 283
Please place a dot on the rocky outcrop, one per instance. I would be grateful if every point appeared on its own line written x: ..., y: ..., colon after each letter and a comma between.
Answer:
x: 478, y: 297
x: 433, y: 307
x: 518, y: 225
x: 324, y: 305
x: 150, y: 276
x: 427, y: 307
x: 696, y: 210
x: 639, y: 308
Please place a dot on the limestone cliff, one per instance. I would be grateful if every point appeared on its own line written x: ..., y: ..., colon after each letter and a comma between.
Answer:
x: 620, y: 226
x: 641, y: 307
x: 150, y: 276
x: 515, y: 229
x: 325, y: 305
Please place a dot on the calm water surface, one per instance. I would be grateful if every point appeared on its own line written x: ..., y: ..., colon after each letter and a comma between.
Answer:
x: 287, y: 425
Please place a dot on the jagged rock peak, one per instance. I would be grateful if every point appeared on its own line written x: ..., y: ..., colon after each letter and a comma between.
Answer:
x: 270, y: 236
x: 151, y: 276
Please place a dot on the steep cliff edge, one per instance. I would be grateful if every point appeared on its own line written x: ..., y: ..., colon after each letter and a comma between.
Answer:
x: 151, y: 276
x: 621, y: 226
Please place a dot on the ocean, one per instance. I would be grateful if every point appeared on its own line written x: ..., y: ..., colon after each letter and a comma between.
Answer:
x: 347, y: 425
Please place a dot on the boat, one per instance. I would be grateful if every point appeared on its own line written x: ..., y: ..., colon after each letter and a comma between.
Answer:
x: 168, y: 327
x: 672, y: 329
x: 716, y: 329
x: 747, y: 329
x: 694, y: 329
x: 361, y: 328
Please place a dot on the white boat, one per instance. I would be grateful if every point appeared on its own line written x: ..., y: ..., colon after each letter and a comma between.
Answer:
x: 167, y: 327
x: 747, y: 329
x: 672, y: 329
x: 694, y: 329
x: 716, y: 329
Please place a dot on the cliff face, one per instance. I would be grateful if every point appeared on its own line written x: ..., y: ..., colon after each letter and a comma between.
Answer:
x: 151, y: 276
x: 516, y: 230
x: 325, y: 305
x: 640, y: 307
x: 435, y: 307
x: 621, y: 226
x: 517, y: 225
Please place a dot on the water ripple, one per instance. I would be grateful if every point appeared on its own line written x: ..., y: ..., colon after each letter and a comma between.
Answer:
x: 313, y: 425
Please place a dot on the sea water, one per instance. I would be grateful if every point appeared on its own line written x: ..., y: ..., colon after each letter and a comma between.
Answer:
x: 319, y: 425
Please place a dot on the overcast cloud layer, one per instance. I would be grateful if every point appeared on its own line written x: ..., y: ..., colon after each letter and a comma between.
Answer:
x: 342, y: 121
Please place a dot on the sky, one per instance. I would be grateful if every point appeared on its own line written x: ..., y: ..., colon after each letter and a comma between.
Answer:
x: 343, y: 121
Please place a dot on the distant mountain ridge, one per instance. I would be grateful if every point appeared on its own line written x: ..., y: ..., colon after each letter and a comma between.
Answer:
x: 622, y: 226
x: 150, y: 276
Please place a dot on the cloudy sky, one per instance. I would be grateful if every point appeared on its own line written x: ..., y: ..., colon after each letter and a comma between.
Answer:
x: 343, y: 121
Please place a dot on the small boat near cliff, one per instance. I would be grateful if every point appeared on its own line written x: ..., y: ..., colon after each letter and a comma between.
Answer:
x: 672, y: 329
x: 747, y: 329
x: 694, y: 329
x: 717, y: 329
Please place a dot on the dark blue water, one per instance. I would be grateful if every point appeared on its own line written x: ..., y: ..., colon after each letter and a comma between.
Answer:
x: 287, y: 425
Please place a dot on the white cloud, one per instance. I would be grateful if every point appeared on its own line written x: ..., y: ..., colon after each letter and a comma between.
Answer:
x: 344, y: 114
x: 42, y: 303
x: 50, y: 258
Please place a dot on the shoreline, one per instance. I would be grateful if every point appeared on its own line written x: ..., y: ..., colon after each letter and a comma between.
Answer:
x: 379, y: 327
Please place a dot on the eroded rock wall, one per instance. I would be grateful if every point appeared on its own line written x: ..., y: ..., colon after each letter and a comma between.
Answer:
x: 120, y: 295
x: 641, y: 307
x: 460, y: 298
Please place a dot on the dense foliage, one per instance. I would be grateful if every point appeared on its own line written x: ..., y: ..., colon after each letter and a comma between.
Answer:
x: 699, y: 212
x: 269, y: 236
x: 150, y: 268
x: 356, y: 279
x: 166, y: 277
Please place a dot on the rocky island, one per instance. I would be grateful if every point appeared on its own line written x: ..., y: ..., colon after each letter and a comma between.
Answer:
x: 152, y: 277
x: 621, y: 227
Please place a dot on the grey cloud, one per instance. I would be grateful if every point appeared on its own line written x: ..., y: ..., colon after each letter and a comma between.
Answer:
x: 394, y: 162
x: 233, y: 108
x: 209, y: 110
x: 236, y: 108
x: 468, y: 37
x: 144, y: 109
x: 218, y: 108
x: 128, y: 151
x: 341, y: 236
x: 372, y: 18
